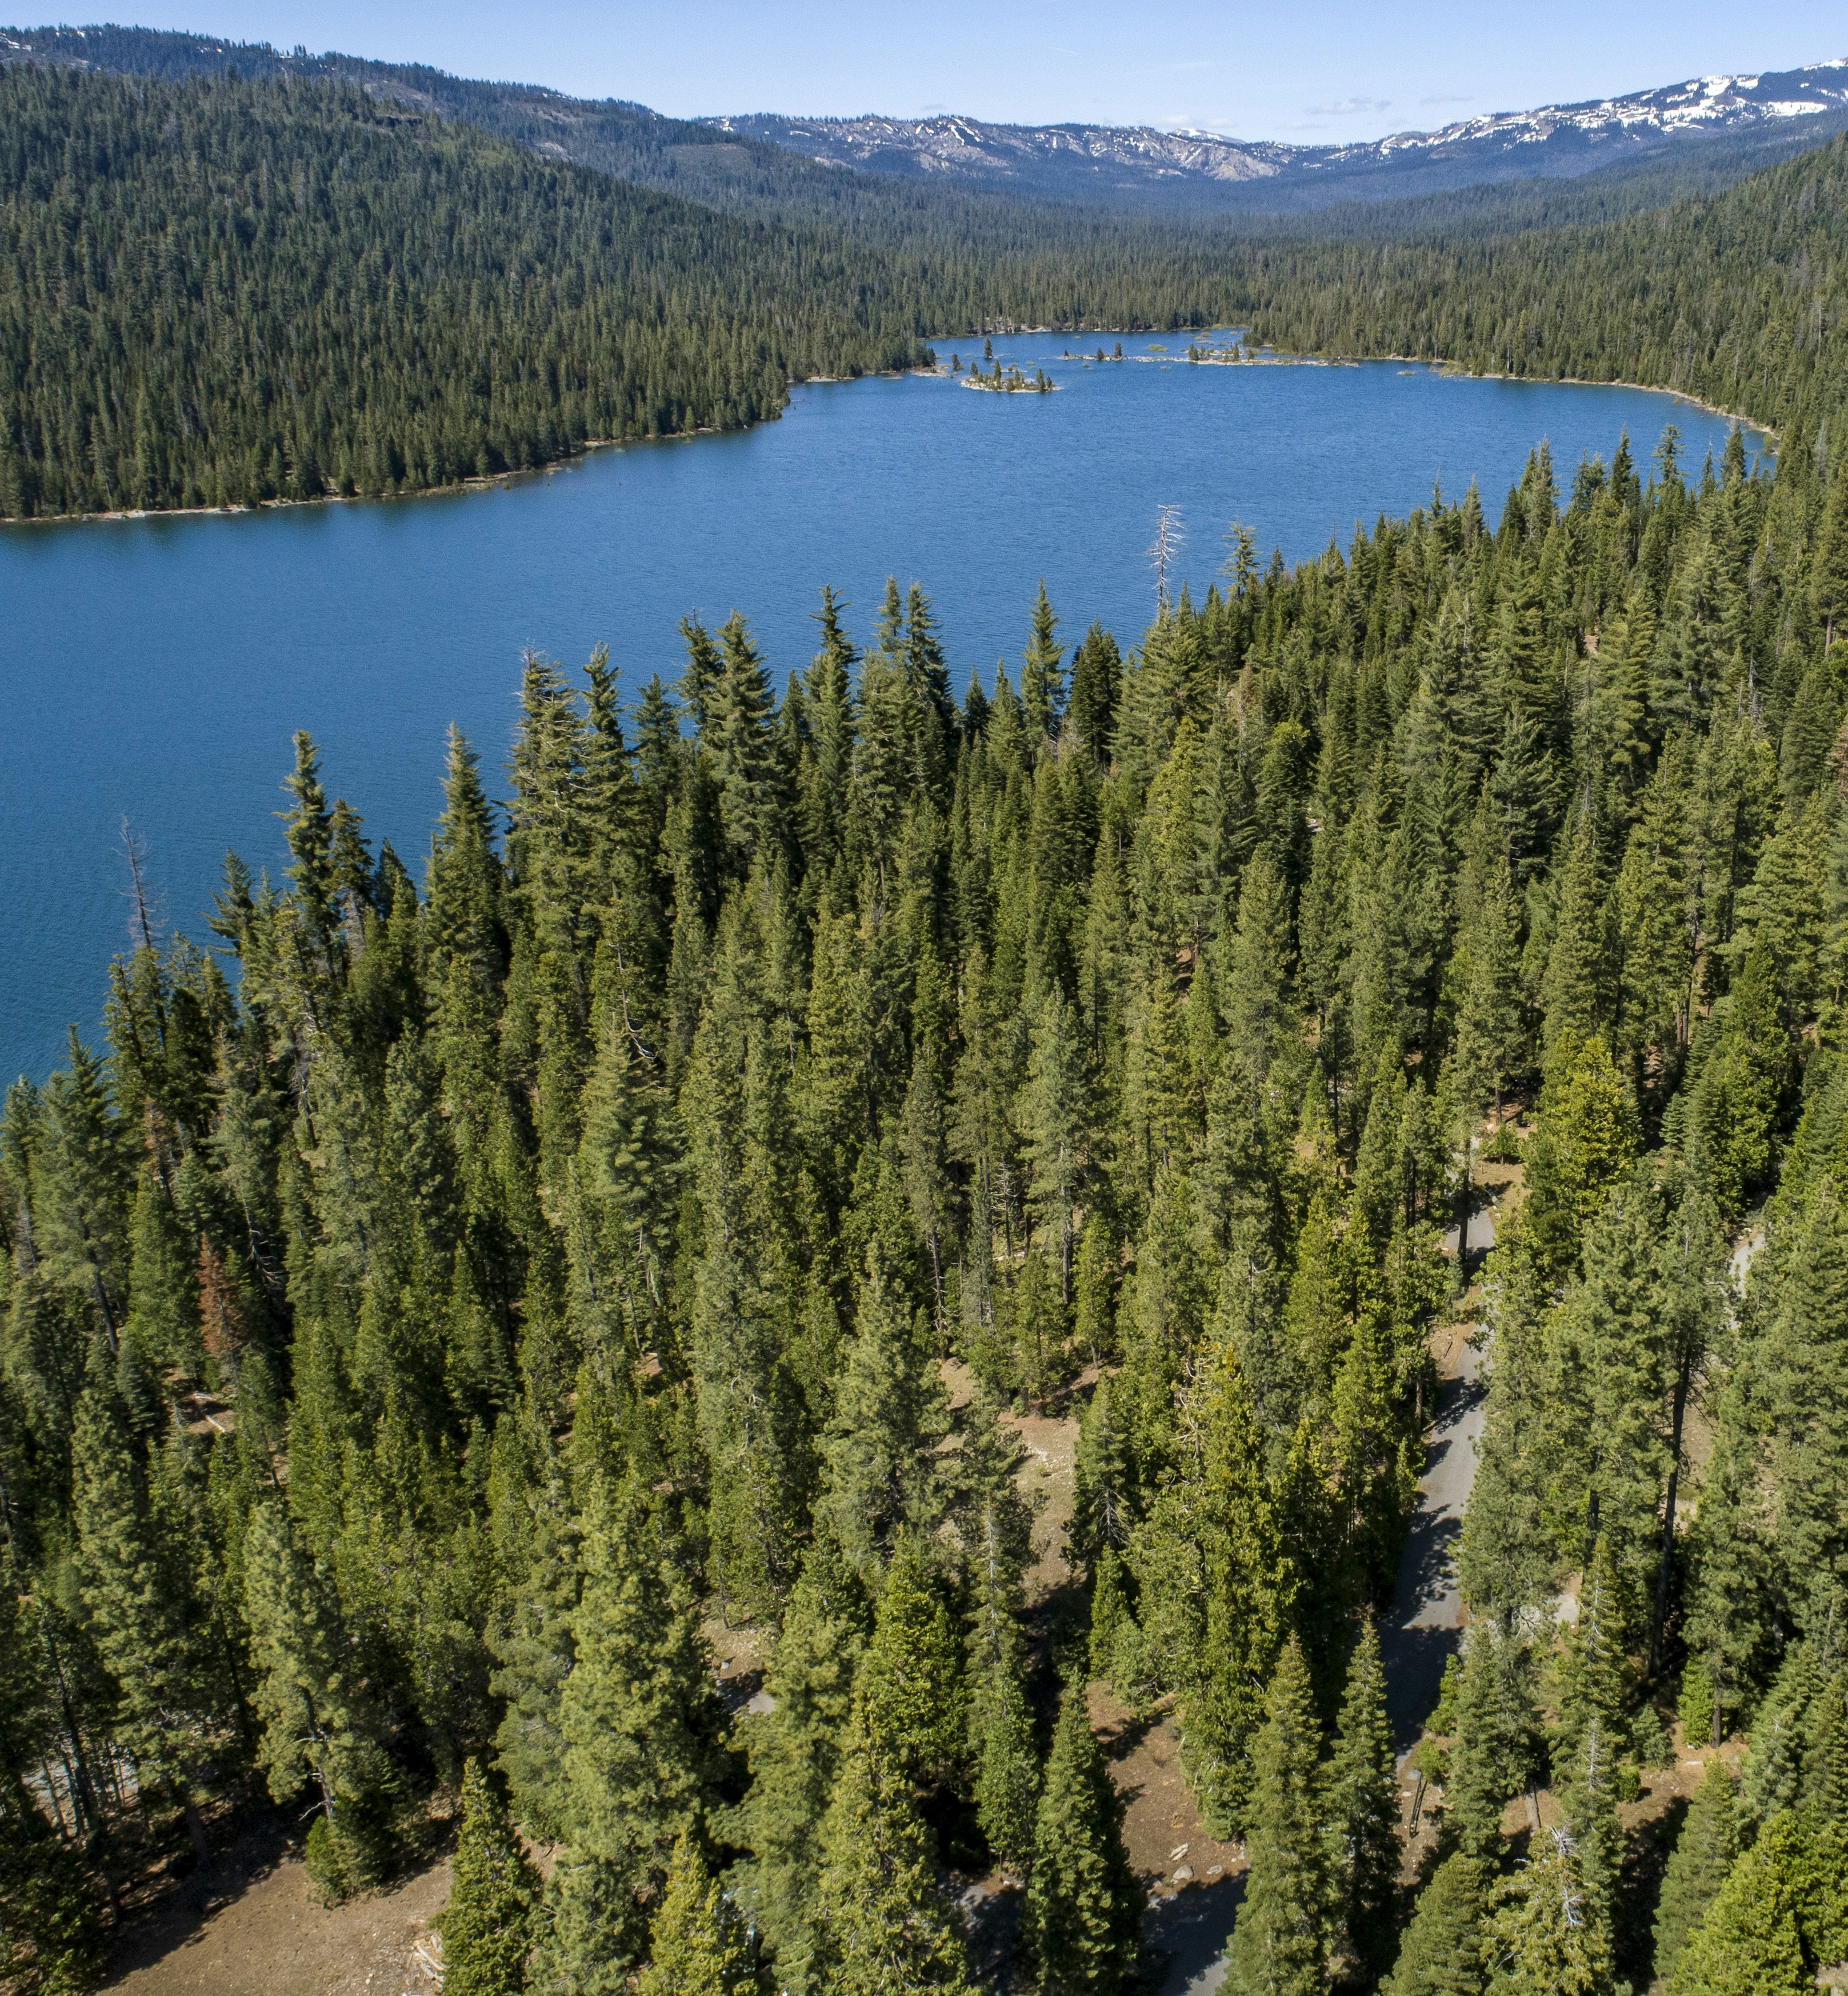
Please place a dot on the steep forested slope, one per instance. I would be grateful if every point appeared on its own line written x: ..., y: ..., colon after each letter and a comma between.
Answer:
x: 221, y: 291
x: 1738, y: 297
x: 408, y: 1348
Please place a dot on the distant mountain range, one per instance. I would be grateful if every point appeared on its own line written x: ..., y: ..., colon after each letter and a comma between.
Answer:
x: 1556, y: 141
x: 1702, y: 132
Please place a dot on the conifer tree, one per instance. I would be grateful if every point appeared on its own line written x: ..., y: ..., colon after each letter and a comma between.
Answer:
x: 162, y: 1319
x: 135, y: 1601
x: 699, y: 679
x: 1376, y: 1461
x: 1096, y: 678
x: 1007, y: 1767
x: 309, y: 828
x: 698, y: 1945
x: 1094, y: 1302
x: 1731, y: 1599
x: 1083, y: 1926
x: 1488, y: 1010
x: 1109, y: 1607
x: 531, y: 1640
x: 1362, y: 1786
x: 1589, y: 1802
x: 829, y: 706
x: 1586, y: 1142
x: 1753, y: 1937
x: 913, y: 1672
x: 1280, y: 1939
x: 1493, y: 1752
x: 1826, y: 1765
x: 1103, y: 1498
x: 1572, y: 991
x: 1703, y: 1855
x: 465, y: 947
x: 890, y: 1412
x: 887, y: 1928
x: 1545, y: 1939
x: 50, y: 1928
x: 1807, y: 1360
x: 1736, y: 1094
x: 1055, y: 1114
x: 926, y: 1176
x: 1782, y: 1738
x: 320, y: 1721
x: 1042, y: 677
x: 82, y: 1185
x: 795, y: 1750
x: 739, y: 707
x: 1250, y: 1598
x: 1831, y: 573
x: 487, y: 1926
x: 640, y: 1724
x: 1259, y: 1011
x: 928, y: 680
x: 1442, y: 1953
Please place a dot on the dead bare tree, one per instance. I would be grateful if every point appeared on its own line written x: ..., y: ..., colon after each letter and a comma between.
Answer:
x: 1164, y: 550
x: 144, y: 912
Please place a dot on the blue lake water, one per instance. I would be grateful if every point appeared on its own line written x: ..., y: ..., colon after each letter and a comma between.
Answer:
x: 154, y: 669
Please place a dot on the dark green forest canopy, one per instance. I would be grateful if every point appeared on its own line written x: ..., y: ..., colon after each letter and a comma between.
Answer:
x: 1739, y: 297
x: 410, y: 1347
x: 223, y: 291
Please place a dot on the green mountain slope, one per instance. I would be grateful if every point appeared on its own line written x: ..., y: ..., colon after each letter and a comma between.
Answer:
x: 1738, y: 297
x: 223, y: 291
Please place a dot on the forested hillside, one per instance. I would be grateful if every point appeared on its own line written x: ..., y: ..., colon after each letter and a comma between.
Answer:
x: 220, y: 292
x: 414, y: 1342
x: 1737, y: 297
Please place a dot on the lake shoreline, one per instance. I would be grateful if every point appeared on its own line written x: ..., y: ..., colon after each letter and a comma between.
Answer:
x: 489, y: 482
x: 1446, y: 369
x: 1450, y: 370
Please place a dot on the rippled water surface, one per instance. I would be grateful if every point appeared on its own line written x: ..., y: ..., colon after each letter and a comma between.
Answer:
x: 156, y: 668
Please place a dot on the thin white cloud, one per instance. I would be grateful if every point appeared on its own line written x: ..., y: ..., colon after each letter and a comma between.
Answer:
x: 1446, y: 97
x: 1350, y: 106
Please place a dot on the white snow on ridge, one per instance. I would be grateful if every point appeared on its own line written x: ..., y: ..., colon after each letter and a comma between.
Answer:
x: 958, y: 145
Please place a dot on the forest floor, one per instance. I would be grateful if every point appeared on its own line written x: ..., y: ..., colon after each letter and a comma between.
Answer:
x: 248, y: 1927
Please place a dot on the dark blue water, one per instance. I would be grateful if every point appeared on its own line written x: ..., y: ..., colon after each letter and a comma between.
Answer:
x: 156, y: 668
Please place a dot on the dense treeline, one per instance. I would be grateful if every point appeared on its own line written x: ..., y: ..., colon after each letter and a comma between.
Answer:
x: 1736, y: 297
x: 414, y: 1349
x: 225, y: 291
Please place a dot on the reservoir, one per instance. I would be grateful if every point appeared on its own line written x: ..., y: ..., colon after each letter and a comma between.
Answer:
x: 154, y: 669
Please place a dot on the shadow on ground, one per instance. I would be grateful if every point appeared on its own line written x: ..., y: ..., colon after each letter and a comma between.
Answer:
x: 186, y: 1894
x: 1424, y: 1627
x: 1184, y: 1937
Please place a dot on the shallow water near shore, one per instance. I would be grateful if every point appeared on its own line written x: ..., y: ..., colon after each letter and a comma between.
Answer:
x: 154, y: 668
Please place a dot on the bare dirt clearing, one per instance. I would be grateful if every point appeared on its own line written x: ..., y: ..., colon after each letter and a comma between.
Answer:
x: 269, y: 1938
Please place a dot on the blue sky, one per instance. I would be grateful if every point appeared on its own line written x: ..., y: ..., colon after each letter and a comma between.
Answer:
x: 1311, y: 71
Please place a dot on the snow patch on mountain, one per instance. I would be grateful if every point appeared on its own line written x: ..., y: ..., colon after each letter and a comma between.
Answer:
x: 953, y: 147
